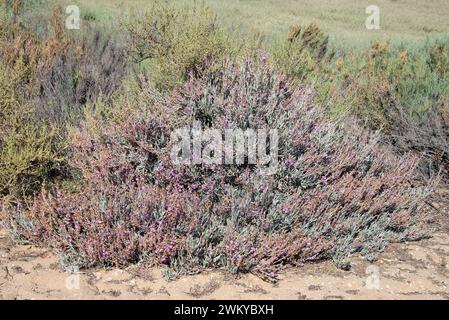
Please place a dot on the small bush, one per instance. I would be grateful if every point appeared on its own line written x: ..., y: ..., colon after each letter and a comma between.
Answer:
x: 336, y: 190
x: 176, y: 43
x: 29, y: 150
x: 439, y: 59
x: 303, y: 52
x: 426, y: 134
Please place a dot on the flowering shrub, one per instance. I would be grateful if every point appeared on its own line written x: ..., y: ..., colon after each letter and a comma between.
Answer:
x: 336, y: 189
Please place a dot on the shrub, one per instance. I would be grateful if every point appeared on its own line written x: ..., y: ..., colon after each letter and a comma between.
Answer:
x: 303, y: 52
x: 28, y: 149
x: 396, y: 89
x: 66, y: 73
x: 336, y: 190
x: 46, y: 81
x: 175, y: 43
x: 89, y: 70
x: 439, y: 58
x: 416, y: 108
x: 31, y: 149
x: 426, y: 134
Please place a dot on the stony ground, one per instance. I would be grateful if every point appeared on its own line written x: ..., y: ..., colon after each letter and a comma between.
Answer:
x: 416, y: 270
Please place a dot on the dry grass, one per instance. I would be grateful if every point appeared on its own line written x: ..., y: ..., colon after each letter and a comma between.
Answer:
x: 344, y: 20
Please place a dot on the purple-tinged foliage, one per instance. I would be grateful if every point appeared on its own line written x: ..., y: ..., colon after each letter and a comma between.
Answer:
x: 336, y: 190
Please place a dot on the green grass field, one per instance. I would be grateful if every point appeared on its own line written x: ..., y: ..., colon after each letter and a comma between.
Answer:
x: 343, y: 20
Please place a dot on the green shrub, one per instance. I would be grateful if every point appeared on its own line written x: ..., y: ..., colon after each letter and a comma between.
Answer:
x: 30, y: 151
x: 402, y: 90
x: 174, y: 44
x: 27, y: 157
x: 304, y: 50
x: 439, y: 58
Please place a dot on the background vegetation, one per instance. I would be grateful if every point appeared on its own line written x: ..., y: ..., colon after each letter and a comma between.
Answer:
x: 343, y: 20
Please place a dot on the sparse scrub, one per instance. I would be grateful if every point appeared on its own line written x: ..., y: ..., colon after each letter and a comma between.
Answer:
x: 66, y: 73
x: 92, y: 69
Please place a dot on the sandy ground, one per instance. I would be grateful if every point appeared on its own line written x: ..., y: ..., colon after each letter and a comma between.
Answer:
x: 416, y: 270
